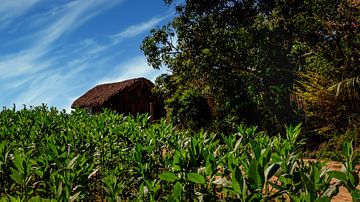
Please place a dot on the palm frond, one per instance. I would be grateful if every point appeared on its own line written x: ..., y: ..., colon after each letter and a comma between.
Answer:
x: 348, y: 91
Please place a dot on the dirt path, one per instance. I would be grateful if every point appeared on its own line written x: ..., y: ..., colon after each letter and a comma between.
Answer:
x: 343, y: 195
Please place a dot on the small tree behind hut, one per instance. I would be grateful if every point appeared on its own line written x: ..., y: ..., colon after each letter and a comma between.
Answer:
x: 131, y: 96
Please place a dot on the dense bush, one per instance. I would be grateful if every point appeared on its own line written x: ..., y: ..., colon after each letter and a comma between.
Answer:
x: 49, y: 154
x: 189, y: 110
x: 264, y: 62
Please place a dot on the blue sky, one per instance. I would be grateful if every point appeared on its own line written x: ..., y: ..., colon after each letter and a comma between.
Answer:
x: 53, y: 51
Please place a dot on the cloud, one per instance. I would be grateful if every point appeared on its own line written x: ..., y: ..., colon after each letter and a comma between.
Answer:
x: 11, y: 9
x: 135, y: 30
x: 70, y: 17
x: 133, y: 68
x: 48, y: 71
x: 22, y: 63
x: 67, y: 18
x: 33, y: 72
x: 40, y: 88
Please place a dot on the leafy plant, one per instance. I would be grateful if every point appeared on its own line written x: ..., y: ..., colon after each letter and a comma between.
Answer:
x: 349, y: 175
x: 74, y: 157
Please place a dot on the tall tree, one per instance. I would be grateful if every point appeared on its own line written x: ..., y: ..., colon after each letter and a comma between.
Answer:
x: 329, y: 86
x: 243, y: 56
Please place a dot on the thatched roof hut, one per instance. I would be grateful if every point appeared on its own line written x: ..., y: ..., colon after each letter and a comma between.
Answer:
x: 131, y: 96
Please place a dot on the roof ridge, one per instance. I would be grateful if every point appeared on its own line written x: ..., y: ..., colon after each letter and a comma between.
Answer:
x: 99, y: 94
x: 127, y: 80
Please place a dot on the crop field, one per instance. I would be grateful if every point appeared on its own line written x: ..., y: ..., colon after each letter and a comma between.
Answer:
x: 46, y: 154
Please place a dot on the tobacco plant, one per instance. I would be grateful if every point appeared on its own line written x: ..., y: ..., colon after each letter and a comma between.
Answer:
x: 46, y: 154
x: 349, y: 174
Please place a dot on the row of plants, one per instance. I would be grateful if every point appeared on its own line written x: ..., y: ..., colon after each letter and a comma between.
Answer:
x: 46, y: 154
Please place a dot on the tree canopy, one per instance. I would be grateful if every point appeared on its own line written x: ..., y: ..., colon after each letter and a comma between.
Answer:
x: 255, y: 61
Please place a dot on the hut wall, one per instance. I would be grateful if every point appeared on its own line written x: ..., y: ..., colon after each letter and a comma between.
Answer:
x: 135, y: 100
x: 93, y: 109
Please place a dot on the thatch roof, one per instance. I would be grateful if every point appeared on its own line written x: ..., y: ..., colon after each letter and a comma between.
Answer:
x: 98, y: 95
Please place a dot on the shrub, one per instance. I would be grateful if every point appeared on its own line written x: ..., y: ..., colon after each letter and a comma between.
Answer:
x: 189, y: 110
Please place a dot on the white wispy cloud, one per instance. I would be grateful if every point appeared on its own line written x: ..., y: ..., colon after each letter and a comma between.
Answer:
x: 133, y: 68
x: 35, y: 92
x: 135, y: 30
x: 11, y: 9
x: 67, y: 18
x: 46, y: 73
x: 35, y: 72
x: 70, y: 17
x: 24, y: 62
x: 57, y: 83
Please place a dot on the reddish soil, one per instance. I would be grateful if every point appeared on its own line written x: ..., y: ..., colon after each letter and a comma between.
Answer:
x: 343, y: 195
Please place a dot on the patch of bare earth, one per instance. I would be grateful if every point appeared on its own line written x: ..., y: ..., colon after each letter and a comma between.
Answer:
x: 343, y: 195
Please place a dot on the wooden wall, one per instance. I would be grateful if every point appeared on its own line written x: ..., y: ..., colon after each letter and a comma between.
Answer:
x: 136, y: 100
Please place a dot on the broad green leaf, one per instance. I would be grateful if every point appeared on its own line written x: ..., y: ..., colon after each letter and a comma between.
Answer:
x: 254, y: 175
x: 196, y: 178
x: 170, y: 177
x: 347, y: 149
x: 60, y: 189
x: 237, y: 180
x: 210, y: 165
x: 271, y: 170
x: 323, y: 199
x: 14, y: 199
x: 39, y: 173
x: 177, y: 192
x: 338, y: 175
x: 265, y: 157
x: 16, y: 176
x: 18, y: 162
x: 286, y: 179
x: 355, y: 195
x: 354, y: 179
x: 39, y: 199
x: 177, y: 161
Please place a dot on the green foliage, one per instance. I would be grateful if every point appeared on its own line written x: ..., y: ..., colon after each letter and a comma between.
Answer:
x: 348, y: 176
x: 254, y: 60
x: 50, y: 155
x: 189, y: 110
x: 228, y: 52
x: 328, y: 86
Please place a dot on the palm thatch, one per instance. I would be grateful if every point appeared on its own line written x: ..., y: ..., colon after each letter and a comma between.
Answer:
x: 133, y: 96
x: 98, y: 95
